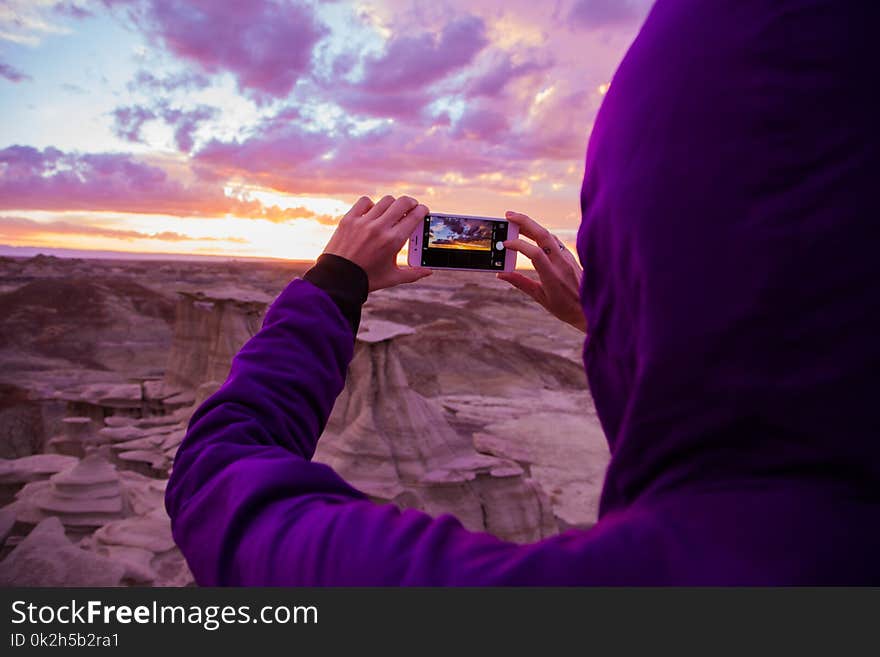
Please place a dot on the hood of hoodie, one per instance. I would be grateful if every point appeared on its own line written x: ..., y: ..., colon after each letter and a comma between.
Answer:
x: 730, y: 240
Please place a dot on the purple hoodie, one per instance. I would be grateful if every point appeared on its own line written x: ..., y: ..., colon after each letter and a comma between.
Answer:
x: 732, y: 289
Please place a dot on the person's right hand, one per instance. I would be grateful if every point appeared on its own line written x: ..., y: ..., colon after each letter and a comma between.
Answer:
x: 371, y: 235
x: 559, y: 288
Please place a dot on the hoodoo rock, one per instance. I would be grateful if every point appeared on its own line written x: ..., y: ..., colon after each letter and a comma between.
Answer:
x: 48, y: 558
x: 15, y: 473
x: 208, y: 332
x: 144, y: 545
x: 82, y: 497
x: 397, y: 446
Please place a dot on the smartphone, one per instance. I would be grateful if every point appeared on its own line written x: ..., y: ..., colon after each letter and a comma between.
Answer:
x: 463, y: 242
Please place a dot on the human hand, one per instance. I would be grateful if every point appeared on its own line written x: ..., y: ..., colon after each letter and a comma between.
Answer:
x: 371, y: 235
x: 559, y: 288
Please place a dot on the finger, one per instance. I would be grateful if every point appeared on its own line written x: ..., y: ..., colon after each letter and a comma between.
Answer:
x: 534, y: 253
x: 528, y: 226
x: 363, y: 204
x: 410, y: 222
x: 398, y: 209
x: 569, y: 257
x: 533, y: 230
x: 573, y: 263
x: 380, y: 207
x: 528, y: 285
x: 412, y: 274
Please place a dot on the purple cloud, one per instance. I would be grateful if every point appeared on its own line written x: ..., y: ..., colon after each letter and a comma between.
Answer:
x: 483, y: 124
x: 595, y: 14
x: 129, y: 120
x: 394, y: 82
x: 266, y: 44
x: 298, y: 161
x: 49, y: 179
x: 277, y: 148
x: 494, y: 80
x: 421, y: 59
x: 186, y: 122
x: 12, y: 74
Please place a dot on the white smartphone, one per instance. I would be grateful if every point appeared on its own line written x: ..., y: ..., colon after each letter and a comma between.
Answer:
x: 462, y: 242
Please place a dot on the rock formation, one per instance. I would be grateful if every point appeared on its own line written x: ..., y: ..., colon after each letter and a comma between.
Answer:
x: 208, y: 332
x: 87, y: 495
x: 48, y: 558
x: 145, y: 547
x: 77, y: 435
x: 21, y: 423
x: 15, y: 473
x: 83, y: 497
x: 396, y: 445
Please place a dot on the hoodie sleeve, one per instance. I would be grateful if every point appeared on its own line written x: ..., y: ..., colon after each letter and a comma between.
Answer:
x: 249, y: 508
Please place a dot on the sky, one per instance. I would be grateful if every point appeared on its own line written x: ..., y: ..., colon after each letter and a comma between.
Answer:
x: 246, y: 128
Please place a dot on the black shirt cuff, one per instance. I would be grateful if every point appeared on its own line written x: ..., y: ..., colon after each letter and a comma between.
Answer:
x: 344, y: 282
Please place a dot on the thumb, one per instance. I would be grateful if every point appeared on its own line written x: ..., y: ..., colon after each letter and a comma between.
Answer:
x: 531, y: 287
x: 412, y: 274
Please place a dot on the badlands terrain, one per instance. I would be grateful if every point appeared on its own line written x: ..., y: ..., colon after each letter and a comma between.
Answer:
x: 464, y: 397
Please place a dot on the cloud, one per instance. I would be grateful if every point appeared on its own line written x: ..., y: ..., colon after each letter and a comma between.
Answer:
x: 421, y: 59
x: 12, y: 74
x: 184, y: 81
x: 279, y: 147
x: 72, y: 10
x: 19, y: 228
x: 31, y: 179
x: 277, y: 214
x: 595, y: 14
x: 186, y: 122
x: 297, y: 161
x: 502, y: 72
x: 49, y: 179
x: 467, y: 230
x: 493, y: 145
x: 394, y: 82
x: 265, y: 44
x: 28, y: 22
x: 482, y: 124
x: 128, y: 121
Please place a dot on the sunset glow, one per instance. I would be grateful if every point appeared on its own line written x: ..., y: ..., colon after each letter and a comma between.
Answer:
x: 161, y: 126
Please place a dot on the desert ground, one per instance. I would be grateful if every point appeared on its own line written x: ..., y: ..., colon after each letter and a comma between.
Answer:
x: 464, y: 396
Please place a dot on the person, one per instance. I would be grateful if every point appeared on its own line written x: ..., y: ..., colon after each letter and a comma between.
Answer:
x: 731, y: 299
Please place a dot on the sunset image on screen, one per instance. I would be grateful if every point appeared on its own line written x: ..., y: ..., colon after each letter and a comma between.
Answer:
x: 465, y: 234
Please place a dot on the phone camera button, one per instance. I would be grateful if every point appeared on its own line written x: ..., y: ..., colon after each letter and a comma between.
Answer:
x: 499, y: 245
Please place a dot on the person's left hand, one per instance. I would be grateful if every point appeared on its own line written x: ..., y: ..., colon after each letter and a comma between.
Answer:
x: 371, y: 235
x: 558, y: 270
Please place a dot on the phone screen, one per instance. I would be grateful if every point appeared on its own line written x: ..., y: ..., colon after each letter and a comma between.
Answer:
x: 463, y: 242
